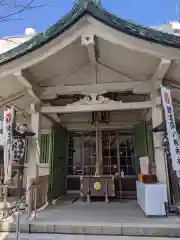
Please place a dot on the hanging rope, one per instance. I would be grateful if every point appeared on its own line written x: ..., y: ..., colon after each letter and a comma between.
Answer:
x: 97, y: 150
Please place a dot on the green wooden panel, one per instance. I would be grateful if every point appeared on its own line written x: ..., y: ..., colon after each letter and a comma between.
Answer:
x: 45, y: 145
x: 150, y: 143
x: 140, y: 143
x: 51, y: 167
x: 59, y: 162
x: 140, y: 139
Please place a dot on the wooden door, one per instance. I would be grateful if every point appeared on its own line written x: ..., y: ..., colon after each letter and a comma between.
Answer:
x: 140, y: 143
x: 59, y: 162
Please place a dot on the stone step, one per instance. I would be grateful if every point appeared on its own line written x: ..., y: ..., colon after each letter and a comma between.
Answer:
x: 7, y: 236
x: 120, y: 229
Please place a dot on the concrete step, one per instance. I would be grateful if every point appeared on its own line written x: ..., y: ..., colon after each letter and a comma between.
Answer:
x: 7, y: 236
x: 113, y: 229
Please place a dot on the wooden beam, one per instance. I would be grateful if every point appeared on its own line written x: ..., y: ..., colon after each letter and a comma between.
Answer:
x: 89, y: 126
x: 161, y: 71
x: 32, y: 88
x: 87, y: 40
x: 12, y: 98
x: 20, y: 111
x: 136, y: 86
x: 172, y: 84
x: 115, y: 106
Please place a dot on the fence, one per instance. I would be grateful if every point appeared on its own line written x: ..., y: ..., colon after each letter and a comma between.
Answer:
x: 38, y: 194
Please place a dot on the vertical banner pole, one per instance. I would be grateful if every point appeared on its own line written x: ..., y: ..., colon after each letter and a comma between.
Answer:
x: 174, y: 143
x: 5, y: 200
x: 8, y: 130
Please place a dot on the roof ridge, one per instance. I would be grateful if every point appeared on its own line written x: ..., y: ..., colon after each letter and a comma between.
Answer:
x: 86, y: 2
x: 102, y: 15
x: 135, y: 29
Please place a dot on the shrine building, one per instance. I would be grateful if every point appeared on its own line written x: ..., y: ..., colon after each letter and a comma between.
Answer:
x: 88, y: 87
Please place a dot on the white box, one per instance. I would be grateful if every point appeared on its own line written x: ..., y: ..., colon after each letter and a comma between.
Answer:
x: 151, y: 198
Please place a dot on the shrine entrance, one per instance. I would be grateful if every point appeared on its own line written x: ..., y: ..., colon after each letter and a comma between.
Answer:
x: 114, y: 152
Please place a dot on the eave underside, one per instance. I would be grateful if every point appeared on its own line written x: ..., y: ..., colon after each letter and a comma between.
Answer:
x: 88, y: 57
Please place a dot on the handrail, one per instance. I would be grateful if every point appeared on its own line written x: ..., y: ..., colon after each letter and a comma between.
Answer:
x: 37, y: 199
x: 20, y: 201
x: 23, y: 197
x: 17, y: 210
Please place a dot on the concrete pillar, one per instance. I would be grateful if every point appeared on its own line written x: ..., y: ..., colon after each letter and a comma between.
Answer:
x: 159, y: 156
x: 34, y: 146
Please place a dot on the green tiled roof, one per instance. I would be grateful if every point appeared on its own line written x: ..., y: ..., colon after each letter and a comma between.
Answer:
x: 101, y: 15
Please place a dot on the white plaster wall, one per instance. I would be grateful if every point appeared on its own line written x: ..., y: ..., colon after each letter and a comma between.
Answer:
x: 1, y: 135
x: 1, y: 139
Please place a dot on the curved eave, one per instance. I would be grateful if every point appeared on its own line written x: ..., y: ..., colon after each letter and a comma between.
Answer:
x: 101, y: 15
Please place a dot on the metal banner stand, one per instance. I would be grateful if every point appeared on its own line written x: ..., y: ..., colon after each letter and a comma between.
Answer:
x: 5, y: 214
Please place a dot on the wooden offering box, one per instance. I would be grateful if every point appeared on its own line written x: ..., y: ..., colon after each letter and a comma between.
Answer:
x: 97, y: 186
x: 147, y: 178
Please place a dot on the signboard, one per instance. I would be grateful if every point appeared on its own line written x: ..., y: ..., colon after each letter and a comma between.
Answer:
x: 18, y: 149
x: 172, y: 134
x: 8, y: 128
x: 144, y: 164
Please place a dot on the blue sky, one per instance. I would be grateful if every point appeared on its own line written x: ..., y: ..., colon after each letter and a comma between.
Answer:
x: 146, y: 12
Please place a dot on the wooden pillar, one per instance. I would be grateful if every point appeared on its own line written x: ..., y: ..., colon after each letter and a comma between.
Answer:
x: 157, y: 119
x: 33, y: 148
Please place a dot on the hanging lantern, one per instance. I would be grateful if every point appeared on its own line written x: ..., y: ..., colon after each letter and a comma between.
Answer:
x: 94, y: 118
x: 104, y: 117
x: 101, y: 117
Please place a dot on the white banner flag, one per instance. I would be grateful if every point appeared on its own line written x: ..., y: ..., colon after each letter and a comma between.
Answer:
x: 172, y: 134
x: 8, y: 127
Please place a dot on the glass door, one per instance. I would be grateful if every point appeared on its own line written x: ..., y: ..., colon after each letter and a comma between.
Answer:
x: 117, y: 153
x: 89, y: 153
x: 82, y: 153
x: 109, y: 152
x: 125, y: 147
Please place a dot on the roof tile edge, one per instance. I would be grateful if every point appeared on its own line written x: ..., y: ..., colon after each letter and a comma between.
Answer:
x: 98, y: 13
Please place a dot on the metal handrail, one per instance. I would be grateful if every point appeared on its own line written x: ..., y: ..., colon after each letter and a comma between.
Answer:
x: 32, y: 206
x: 20, y: 201
x: 24, y: 196
x: 17, y: 210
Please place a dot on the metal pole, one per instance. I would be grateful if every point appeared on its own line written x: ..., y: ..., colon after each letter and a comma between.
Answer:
x: 97, y: 150
x: 18, y: 224
x: 35, y: 201
x: 29, y: 194
x: 1, y: 180
x: 5, y: 200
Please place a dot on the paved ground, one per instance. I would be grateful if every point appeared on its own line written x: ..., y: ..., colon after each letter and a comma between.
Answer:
x: 123, y: 219
x: 74, y: 237
x: 99, y: 212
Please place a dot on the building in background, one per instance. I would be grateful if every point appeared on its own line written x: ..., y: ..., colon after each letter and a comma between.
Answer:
x: 173, y: 27
x: 9, y: 42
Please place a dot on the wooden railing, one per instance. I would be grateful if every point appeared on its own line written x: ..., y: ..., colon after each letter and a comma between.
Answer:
x: 38, y: 194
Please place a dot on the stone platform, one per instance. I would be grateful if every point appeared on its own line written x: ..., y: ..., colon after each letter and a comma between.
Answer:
x: 115, y: 219
x: 12, y: 236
